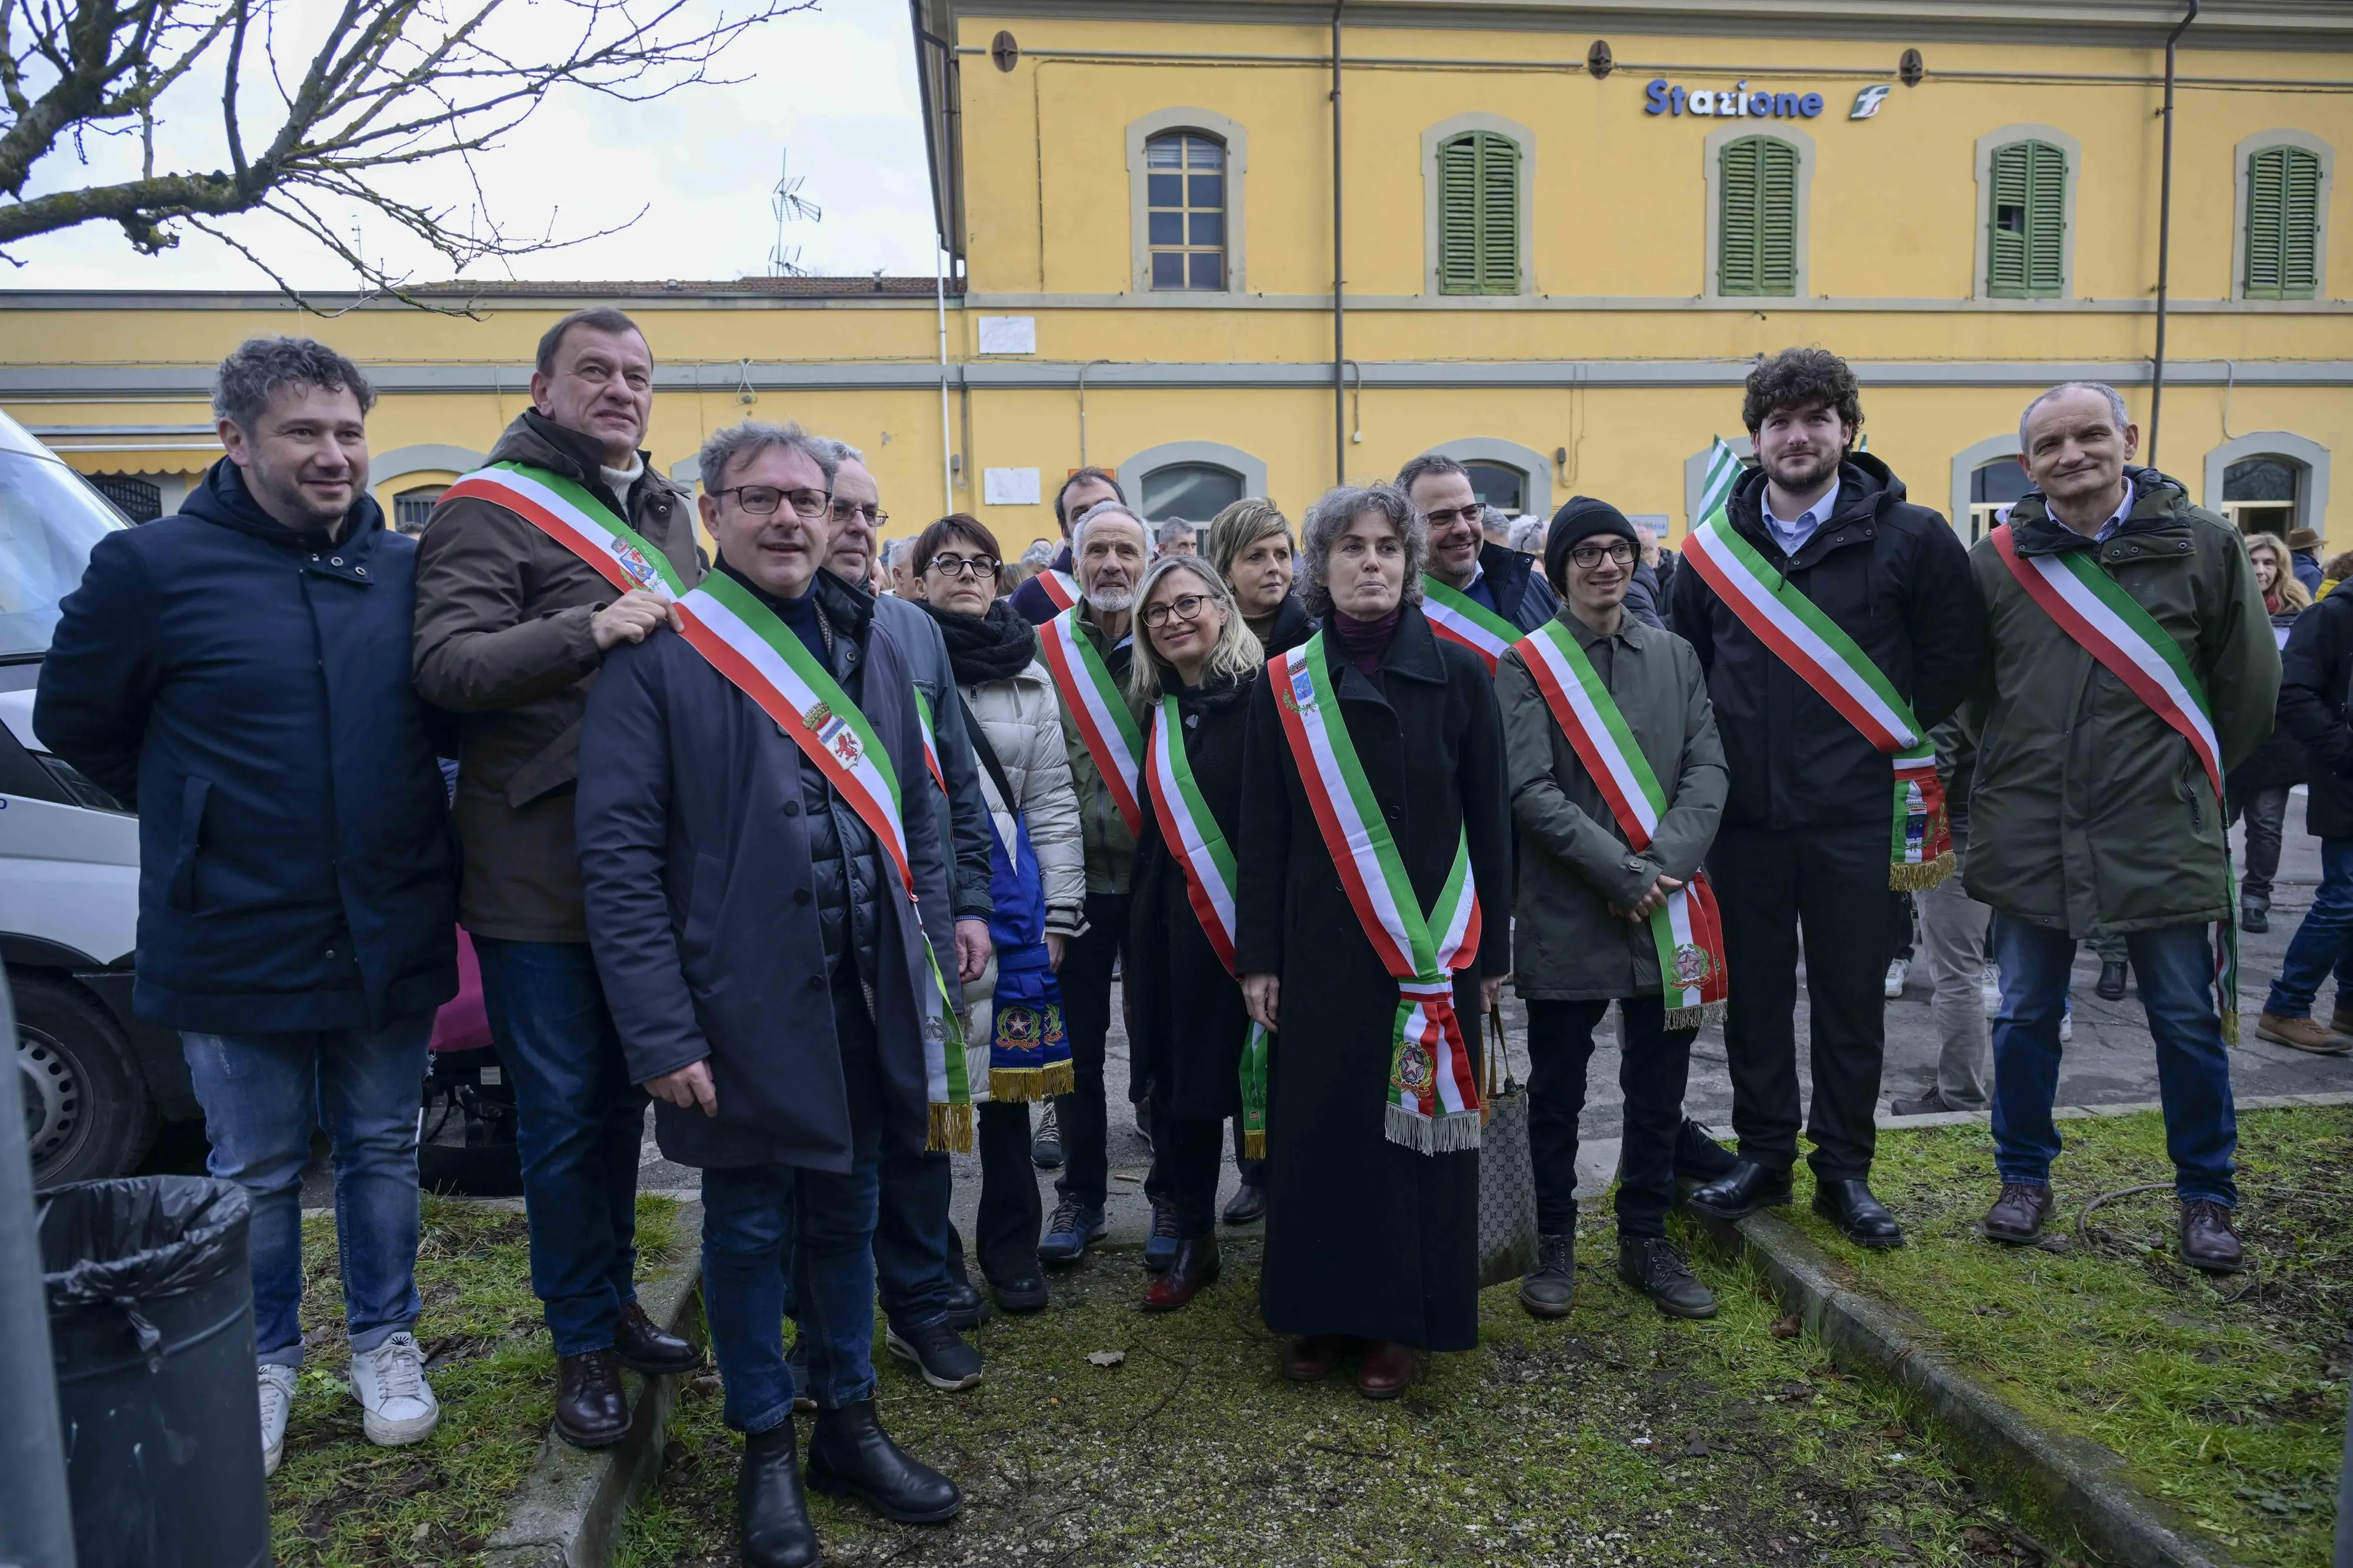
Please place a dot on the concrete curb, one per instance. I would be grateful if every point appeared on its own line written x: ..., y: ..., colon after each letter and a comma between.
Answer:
x: 2080, y: 1484
x: 568, y: 1511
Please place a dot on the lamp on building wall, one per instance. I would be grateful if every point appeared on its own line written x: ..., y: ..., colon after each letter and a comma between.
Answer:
x: 1004, y: 52
x: 1598, y: 60
x: 1911, y: 69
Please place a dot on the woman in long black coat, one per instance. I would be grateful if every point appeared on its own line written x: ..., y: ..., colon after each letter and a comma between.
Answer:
x: 1371, y: 1246
x: 1188, y: 1021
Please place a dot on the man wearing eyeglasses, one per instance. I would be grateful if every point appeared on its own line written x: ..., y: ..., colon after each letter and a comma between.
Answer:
x: 925, y: 1297
x: 1493, y: 576
x: 512, y: 629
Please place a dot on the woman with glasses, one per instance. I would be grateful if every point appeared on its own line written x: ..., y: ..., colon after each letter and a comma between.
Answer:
x: 1037, y: 882
x: 1196, y: 666
x: 1249, y: 543
x: 1376, y: 904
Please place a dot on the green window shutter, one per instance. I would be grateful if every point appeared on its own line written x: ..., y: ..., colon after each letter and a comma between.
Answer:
x: 2026, y: 237
x: 2283, y: 223
x: 1479, y: 215
x: 1756, y: 222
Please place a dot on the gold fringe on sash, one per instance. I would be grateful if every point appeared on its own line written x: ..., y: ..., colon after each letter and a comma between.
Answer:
x: 2231, y: 1027
x: 951, y: 1130
x: 1698, y: 1017
x: 1255, y: 1145
x: 1014, y: 1085
x: 1920, y: 878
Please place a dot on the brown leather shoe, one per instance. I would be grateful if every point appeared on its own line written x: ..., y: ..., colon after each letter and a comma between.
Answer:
x: 2017, y: 1215
x: 640, y: 1346
x: 2300, y: 1034
x: 1195, y: 1266
x: 2208, y: 1240
x: 591, y: 1411
x: 2340, y: 1020
x: 1311, y: 1357
x: 1386, y: 1370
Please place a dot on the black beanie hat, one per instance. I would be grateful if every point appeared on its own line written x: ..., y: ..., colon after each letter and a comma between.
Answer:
x: 1580, y: 519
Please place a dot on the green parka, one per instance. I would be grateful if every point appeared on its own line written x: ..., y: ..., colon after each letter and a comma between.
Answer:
x: 1111, y: 848
x: 2088, y: 813
x: 1574, y: 860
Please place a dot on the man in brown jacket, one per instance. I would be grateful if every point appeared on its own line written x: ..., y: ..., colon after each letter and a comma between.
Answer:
x: 511, y: 627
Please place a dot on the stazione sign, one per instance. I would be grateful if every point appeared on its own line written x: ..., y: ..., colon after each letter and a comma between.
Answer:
x: 1664, y: 97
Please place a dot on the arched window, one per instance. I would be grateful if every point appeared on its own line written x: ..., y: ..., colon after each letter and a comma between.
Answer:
x: 1994, y: 487
x: 1185, y: 198
x: 1499, y: 485
x: 412, y: 509
x: 2259, y: 494
x: 1196, y: 491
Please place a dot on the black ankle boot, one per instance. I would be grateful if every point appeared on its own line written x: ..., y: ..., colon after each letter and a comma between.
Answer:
x: 851, y: 1456
x: 771, y: 1516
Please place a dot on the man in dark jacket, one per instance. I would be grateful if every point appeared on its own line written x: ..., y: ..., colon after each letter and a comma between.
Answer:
x: 1087, y: 488
x: 1806, y: 833
x: 511, y: 627
x: 1493, y: 576
x: 2316, y: 671
x: 239, y: 674
x: 770, y: 979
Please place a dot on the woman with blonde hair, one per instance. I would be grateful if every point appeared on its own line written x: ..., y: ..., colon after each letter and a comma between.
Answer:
x: 2257, y: 788
x: 1249, y: 543
x: 1196, y: 664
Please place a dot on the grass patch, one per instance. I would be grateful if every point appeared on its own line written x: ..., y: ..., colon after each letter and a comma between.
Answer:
x: 1611, y: 1437
x: 2227, y: 1397
x: 338, y: 1500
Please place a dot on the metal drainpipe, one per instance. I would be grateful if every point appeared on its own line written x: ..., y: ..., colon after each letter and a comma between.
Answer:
x: 947, y: 441
x: 2164, y: 239
x: 1339, y: 286
x: 1083, y: 406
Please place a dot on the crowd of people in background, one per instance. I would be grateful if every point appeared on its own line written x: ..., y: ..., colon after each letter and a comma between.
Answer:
x: 839, y: 849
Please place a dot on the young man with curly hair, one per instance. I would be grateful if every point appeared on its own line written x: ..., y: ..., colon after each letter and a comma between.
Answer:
x: 1836, y: 622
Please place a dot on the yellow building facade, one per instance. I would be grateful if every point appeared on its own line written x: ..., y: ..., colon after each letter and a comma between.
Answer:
x: 1563, y: 231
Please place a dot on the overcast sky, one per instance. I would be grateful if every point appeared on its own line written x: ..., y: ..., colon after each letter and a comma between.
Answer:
x: 835, y: 85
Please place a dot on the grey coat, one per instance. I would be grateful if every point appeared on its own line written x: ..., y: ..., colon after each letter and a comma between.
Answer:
x: 918, y: 636
x: 1574, y: 860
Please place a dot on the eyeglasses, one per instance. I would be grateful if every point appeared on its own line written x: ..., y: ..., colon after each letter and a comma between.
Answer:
x: 843, y: 510
x: 761, y: 500
x: 1184, y: 607
x: 1587, y: 556
x: 1454, y: 514
x: 980, y: 568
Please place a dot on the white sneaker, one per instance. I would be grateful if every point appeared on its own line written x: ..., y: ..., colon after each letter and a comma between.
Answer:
x: 1898, y: 971
x: 399, y: 1403
x: 2067, y: 1021
x: 276, y: 1400
x: 1989, y: 985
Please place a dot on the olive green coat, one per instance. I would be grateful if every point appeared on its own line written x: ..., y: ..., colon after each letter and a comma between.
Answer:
x: 2088, y: 813
x: 1574, y: 861
x: 1111, y: 848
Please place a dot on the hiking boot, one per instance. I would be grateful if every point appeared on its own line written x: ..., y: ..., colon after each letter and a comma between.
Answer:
x: 396, y: 1403
x: 277, y: 1403
x: 1550, y: 1288
x: 1160, y: 1246
x: 1046, y: 1144
x: 2017, y: 1215
x: 1651, y: 1265
x: 2300, y: 1034
x: 947, y: 1361
x: 1073, y: 1229
x: 2208, y: 1238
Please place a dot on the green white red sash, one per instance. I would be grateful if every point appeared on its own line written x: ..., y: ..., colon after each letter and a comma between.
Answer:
x: 2109, y: 624
x: 1458, y: 618
x: 760, y: 657
x: 1687, y: 929
x: 1433, y: 1100
x: 1093, y: 699
x: 931, y: 741
x: 1060, y: 586
x: 1199, y: 846
x: 1920, y: 848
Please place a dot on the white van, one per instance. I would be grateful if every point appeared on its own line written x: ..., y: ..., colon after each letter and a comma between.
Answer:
x: 96, y: 1081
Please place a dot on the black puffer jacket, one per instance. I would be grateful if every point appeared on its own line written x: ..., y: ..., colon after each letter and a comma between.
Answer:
x: 2279, y: 763
x: 2316, y: 678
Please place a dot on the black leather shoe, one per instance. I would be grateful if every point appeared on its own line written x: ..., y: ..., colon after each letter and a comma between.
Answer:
x: 1020, y: 1292
x: 591, y: 1411
x: 1653, y: 1266
x: 851, y: 1456
x: 1742, y: 1190
x: 1861, y: 1218
x: 1698, y: 1156
x: 1192, y: 1269
x: 771, y: 1522
x: 2110, y: 987
x: 1549, y: 1289
x: 966, y: 1311
x: 1247, y: 1207
x: 641, y: 1346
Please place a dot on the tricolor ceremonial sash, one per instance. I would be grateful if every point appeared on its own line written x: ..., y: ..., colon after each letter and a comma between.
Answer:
x: 1458, y: 618
x: 1433, y: 1101
x: 1688, y: 932
x: 1920, y: 850
x: 2096, y: 613
x: 931, y: 741
x: 1199, y: 846
x: 1093, y: 699
x: 1060, y: 586
x: 760, y: 657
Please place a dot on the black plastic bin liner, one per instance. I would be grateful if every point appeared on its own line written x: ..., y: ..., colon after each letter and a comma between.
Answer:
x: 151, y: 1321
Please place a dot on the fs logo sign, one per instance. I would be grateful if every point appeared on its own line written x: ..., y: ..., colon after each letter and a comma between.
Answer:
x: 1867, y: 102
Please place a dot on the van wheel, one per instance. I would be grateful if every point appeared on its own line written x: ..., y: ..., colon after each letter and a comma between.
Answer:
x: 88, y: 1113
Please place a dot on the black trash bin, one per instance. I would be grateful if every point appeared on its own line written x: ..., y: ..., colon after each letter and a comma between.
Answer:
x: 151, y: 1319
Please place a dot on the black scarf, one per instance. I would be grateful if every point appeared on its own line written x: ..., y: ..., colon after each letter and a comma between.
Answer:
x: 994, y: 646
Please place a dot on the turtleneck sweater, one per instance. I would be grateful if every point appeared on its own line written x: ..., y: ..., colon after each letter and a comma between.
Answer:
x: 1363, y: 642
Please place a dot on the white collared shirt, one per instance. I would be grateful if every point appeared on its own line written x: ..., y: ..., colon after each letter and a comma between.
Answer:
x: 2115, y: 518
x: 1792, y: 536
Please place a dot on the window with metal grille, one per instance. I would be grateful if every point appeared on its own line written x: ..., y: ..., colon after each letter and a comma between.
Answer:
x: 134, y: 498
x: 2283, y: 223
x: 1189, y: 489
x: 1994, y: 488
x: 1756, y: 250
x: 2259, y: 495
x: 1479, y: 215
x: 1185, y: 197
x: 412, y: 509
x: 1498, y: 485
x: 2026, y: 238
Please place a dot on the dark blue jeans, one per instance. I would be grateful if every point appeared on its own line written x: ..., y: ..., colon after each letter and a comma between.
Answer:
x: 579, y: 1125
x: 781, y: 1240
x: 2323, y: 942
x: 2174, y: 966
x: 263, y: 1096
x: 912, y: 1238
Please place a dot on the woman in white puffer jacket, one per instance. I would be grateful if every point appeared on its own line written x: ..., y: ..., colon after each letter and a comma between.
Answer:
x: 1017, y: 725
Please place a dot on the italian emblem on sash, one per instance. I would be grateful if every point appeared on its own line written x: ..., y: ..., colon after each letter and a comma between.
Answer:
x: 633, y: 562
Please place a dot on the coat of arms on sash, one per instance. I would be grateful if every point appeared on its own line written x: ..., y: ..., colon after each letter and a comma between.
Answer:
x: 633, y: 562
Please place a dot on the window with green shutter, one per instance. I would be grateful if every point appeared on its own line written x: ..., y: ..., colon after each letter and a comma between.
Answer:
x: 2026, y: 228
x: 1479, y: 215
x: 2283, y: 223
x: 1756, y: 228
